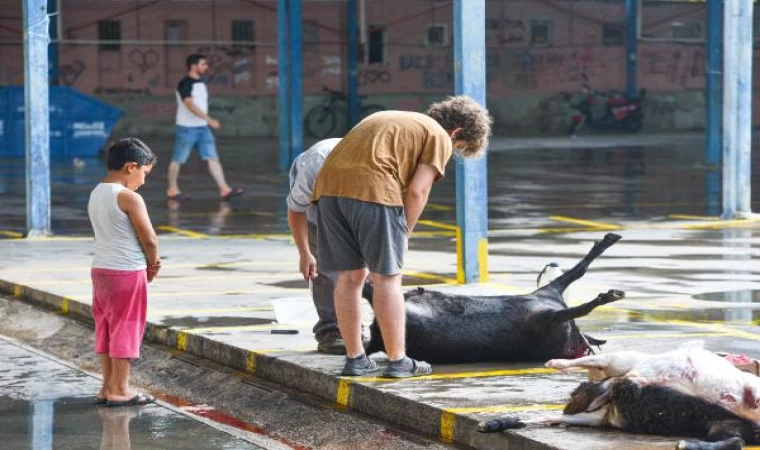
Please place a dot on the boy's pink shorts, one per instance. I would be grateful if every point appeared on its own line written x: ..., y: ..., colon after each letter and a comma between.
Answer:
x: 119, y: 307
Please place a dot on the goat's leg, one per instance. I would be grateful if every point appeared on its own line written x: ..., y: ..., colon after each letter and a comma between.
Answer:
x: 586, y: 362
x: 577, y: 271
x: 585, y: 419
x: 565, y: 315
x: 728, y: 444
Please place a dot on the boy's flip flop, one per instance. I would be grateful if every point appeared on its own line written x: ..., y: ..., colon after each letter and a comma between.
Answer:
x: 236, y: 192
x: 101, y: 400
x: 137, y: 400
x: 179, y: 197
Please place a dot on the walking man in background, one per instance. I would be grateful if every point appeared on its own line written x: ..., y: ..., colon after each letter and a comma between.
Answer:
x: 302, y: 219
x: 194, y: 130
x: 371, y: 191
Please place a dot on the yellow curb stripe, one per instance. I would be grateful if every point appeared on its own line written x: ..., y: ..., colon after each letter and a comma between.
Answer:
x: 588, y: 223
x: 461, y: 278
x: 504, y: 409
x: 448, y: 421
x: 344, y: 392
x: 250, y: 362
x: 12, y: 234
x: 17, y: 290
x: 181, y: 341
x: 65, y: 305
x: 483, y: 259
x: 690, y: 217
x: 188, y: 233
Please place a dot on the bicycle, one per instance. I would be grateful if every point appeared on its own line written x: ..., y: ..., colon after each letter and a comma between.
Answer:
x: 322, y: 120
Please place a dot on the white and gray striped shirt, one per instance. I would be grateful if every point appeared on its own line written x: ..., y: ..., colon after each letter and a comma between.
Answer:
x: 303, y: 175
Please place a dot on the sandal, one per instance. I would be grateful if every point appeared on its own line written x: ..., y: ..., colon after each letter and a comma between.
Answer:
x: 236, y: 192
x: 179, y: 197
x: 101, y: 400
x: 137, y: 400
x: 406, y: 368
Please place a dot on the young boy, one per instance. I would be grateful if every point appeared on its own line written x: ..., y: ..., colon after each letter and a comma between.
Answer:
x: 126, y: 260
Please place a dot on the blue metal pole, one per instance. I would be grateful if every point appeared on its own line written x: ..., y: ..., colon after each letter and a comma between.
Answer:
x: 283, y: 92
x: 714, y: 73
x: 631, y: 16
x: 352, y: 82
x: 744, y: 111
x: 53, y: 11
x: 472, y: 191
x: 296, y: 92
x: 730, y: 76
x: 37, y: 118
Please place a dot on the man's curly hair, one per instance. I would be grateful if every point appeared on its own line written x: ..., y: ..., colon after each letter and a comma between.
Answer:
x: 465, y: 113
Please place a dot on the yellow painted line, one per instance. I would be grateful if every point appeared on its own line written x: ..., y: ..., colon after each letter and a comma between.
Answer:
x: 448, y: 421
x: 690, y: 217
x: 461, y: 278
x: 717, y: 328
x: 459, y: 375
x: 563, y: 230
x: 483, y: 259
x: 722, y: 224
x: 588, y: 223
x: 169, y: 312
x: 65, y: 305
x: 16, y: 290
x: 70, y: 268
x: 250, y: 362
x: 437, y: 207
x: 430, y: 276
x: 184, y: 279
x: 436, y: 224
x: 83, y: 297
x: 504, y: 409
x: 188, y: 233
x: 12, y: 234
x: 344, y: 392
x: 181, y: 341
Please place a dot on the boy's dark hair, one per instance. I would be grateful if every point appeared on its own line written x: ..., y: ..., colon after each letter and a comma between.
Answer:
x: 193, y: 59
x: 129, y: 150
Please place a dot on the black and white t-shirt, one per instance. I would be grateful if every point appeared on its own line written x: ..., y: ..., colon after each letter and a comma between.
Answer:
x: 190, y: 87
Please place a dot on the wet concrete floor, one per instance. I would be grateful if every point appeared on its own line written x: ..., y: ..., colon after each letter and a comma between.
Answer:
x: 45, y: 405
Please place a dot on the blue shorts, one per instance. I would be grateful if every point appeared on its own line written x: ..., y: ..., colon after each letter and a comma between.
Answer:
x: 198, y: 137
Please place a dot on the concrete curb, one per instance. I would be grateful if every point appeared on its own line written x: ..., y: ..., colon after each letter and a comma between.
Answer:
x: 447, y: 426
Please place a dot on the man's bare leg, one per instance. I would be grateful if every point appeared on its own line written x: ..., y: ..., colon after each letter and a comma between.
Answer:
x: 348, y: 290
x: 217, y: 173
x: 171, y: 177
x: 388, y: 303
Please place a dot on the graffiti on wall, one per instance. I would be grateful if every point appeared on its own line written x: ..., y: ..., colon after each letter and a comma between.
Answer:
x: 533, y: 69
x: 435, y: 69
x: 70, y: 73
x: 505, y: 31
x: 679, y: 67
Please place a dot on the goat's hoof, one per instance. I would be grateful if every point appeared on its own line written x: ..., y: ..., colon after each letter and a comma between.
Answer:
x: 611, y: 296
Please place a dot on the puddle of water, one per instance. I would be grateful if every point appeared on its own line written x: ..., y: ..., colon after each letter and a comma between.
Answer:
x: 208, y: 322
x: 749, y: 296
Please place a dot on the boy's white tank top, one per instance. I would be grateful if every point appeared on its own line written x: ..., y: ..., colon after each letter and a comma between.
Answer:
x: 116, y: 243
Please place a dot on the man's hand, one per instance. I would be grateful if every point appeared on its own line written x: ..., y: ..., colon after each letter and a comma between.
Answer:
x: 308, y: 266
x: 153, y: 270
x: 213, y: 123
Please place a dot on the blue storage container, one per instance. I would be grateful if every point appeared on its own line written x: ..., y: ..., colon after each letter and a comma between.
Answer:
x: 79, y: 124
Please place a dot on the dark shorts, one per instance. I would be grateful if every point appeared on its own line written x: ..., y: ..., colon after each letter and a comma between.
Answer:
x: 354, y: 234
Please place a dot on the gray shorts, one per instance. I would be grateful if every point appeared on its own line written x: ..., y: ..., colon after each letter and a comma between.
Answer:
x: 354, y: 234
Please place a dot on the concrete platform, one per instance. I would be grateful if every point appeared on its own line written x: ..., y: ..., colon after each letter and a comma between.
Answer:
x: 685, y: 279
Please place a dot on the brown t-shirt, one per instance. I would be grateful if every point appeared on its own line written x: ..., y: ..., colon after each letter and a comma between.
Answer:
x: 377, y: 159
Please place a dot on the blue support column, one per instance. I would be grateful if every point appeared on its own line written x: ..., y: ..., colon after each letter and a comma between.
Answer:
x: 53, y: 12
x: 283, y: 93
x: 632, y: 66
x: 37, y: 118
x: 714, y: 73
x: 296, y: 91
x: 737, y: 108
x: 352, y: 26
x: 472, y: 193
x: 41, y: 423
x: 744, y: 111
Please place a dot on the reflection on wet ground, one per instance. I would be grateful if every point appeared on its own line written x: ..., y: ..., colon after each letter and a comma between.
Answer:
x: 45, y: 405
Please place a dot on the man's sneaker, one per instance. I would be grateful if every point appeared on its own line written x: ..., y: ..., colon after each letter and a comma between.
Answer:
x: 407, y: 367
x: 332, y: 343
x: 361, y: 365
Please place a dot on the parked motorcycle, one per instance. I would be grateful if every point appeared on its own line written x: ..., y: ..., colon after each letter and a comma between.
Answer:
x: 618, y: 111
